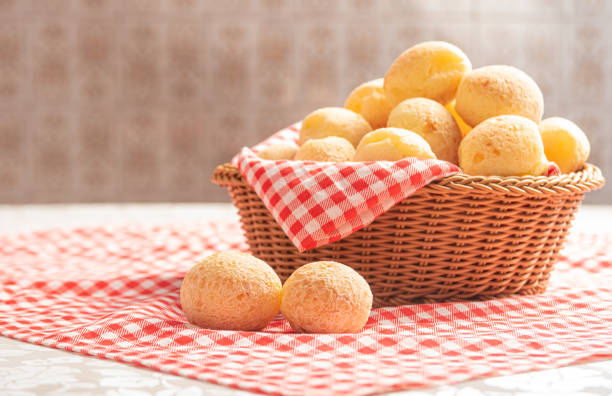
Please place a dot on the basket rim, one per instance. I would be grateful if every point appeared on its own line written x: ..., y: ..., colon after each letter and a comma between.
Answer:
x: 587, y: 179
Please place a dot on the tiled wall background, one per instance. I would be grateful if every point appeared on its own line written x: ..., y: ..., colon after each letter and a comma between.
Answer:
x: 138, y: 100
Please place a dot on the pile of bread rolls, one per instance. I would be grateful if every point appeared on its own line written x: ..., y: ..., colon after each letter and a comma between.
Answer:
x: 432, y: 104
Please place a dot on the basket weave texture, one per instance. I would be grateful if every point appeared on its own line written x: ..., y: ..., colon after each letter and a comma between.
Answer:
x: 460, y: 237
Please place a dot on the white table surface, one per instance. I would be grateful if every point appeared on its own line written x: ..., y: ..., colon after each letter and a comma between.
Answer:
x: 27, y: 369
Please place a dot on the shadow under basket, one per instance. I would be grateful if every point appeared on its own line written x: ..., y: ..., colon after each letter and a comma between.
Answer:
x: 461, y: 237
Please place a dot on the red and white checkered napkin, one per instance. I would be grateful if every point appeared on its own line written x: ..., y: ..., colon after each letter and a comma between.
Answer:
x: 316, y: 203
x: 114, y: 293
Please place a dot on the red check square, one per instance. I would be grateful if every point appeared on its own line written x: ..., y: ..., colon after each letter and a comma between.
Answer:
x: 336, y: 199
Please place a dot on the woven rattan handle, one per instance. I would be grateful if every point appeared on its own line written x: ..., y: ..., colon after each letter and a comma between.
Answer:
x: 227, y: 175
x: 588, y: 179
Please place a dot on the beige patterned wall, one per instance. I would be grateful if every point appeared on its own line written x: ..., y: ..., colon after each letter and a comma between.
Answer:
x: 138, y: 100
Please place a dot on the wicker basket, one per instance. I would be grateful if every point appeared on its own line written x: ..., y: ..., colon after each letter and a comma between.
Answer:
x: 461, y: 237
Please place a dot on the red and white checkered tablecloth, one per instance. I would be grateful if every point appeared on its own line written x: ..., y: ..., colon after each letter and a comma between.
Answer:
x: 114, y: 293
x: 316, y: 203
